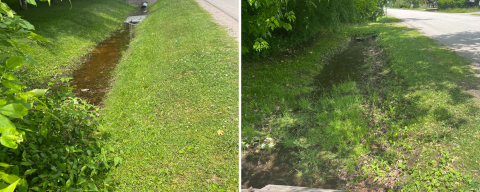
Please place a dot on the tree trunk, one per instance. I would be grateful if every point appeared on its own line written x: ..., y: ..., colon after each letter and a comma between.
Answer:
x: 23, y: 4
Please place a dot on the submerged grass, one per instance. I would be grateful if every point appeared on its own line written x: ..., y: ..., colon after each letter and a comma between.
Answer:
x: 72, y: 33
x: 173, y: 108
x: 408, y: 124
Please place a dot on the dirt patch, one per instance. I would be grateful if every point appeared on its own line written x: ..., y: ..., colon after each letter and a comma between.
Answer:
x: 260, y: 168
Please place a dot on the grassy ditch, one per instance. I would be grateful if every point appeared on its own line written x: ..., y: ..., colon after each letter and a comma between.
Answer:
x: 409, y: 123
x: 173, y: 108
x: 72, y: 32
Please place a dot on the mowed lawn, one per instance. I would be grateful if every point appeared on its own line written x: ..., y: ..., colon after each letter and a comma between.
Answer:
x: 172, y: 114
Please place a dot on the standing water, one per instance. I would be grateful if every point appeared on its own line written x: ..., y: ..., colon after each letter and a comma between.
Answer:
x: 91, y: 80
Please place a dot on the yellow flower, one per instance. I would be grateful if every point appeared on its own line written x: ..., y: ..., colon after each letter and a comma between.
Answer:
x: 220, y: 132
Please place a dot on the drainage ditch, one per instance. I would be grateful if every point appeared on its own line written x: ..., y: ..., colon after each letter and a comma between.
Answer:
x: 91, y: 80
x: 263, y: 167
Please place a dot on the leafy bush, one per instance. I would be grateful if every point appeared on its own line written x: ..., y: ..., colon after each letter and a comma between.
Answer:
x: 445, y: 4
x: 271, y: 26
x: 60, y: 149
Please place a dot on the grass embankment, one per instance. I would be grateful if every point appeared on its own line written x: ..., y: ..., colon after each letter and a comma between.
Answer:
x: 407, y: 124
x: 459, y: 10
x: 173, y: 108
x: 71, y: 33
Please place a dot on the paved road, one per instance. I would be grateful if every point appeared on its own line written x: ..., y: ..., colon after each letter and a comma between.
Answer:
x: 458, y: 31
x: 230, y: 7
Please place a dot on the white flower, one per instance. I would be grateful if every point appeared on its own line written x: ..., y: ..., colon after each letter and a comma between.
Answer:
x: 271, y: 145
x: 262, y: 145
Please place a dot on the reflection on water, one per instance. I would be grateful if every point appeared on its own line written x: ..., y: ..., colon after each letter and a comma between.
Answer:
x: 91, y: 80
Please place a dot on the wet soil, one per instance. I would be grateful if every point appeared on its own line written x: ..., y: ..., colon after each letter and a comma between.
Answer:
x: 91, y: 80
x: 260, y: 168
x: 343, y: 67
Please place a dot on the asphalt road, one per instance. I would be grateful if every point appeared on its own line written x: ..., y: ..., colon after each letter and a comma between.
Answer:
x: 230, y: 7
x: 458, y: 31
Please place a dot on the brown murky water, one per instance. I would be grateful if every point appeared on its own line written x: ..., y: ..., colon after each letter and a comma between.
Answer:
x: 91, y: 80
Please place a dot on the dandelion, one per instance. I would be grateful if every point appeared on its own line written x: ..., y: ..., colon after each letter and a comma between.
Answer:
x: 220, y: 132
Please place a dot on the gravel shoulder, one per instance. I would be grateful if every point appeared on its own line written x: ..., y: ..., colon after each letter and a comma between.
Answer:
x: 222, y: 18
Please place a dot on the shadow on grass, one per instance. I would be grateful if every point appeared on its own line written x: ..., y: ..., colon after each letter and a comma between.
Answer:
x: 418, y: 85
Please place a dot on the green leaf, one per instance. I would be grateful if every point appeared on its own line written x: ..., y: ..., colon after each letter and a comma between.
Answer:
x: 38, y: 92
x: 38, y: 37
x: 5, y: 165
x: 117, y: 160
x: 25, y: 163
x: 2, y: 102
x: 6, y: 43
x: 14, y: 110
x: 22, y: 186
x: 5, y: 124
x: 30, y: 171
x: 14, y: 62
x: 31, y: 60
x: 43, y: 131
x: 5, y: 9
x: 16, y: 170
x: 11, y: 187
x: 92, y: 187
x: 69, y: 182
x: 8, y: 178
x: 80, y: 180
x: 10, y: 141
x: 32, y: 2
x: 14, y: 85
x: 25, y: 24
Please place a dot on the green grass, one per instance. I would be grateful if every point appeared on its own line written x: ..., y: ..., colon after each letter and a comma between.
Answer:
x: 175, y: 88
x: 459, y: 10
x: 71, y: 32
x: 410, y: 114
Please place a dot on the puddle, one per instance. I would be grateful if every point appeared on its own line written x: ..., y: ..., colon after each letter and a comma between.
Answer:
x: 278, y: 167
x: 91, y: 80
x: 342, y: 67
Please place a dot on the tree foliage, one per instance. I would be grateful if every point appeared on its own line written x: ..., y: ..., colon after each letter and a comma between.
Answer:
x: 276, y: 24
x: 445, y: 4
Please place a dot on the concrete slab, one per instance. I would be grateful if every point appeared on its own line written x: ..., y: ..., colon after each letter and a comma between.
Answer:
x: 135, y: 19
x: 285, y: 188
